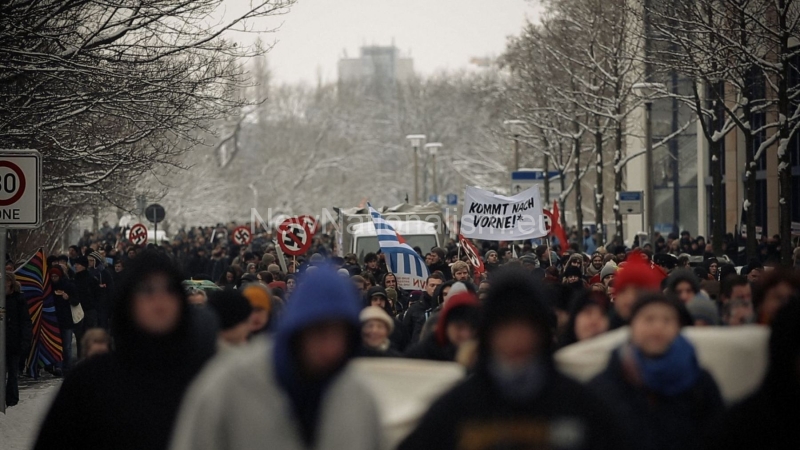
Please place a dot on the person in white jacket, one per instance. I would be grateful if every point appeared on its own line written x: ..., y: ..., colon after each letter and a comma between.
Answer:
x: 292, y: 392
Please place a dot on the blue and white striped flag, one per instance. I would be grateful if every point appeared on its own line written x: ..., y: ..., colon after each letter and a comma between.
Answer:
x: 401, y: 259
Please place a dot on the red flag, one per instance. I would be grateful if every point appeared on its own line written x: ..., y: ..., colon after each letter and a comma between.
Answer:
x: 558, y: 230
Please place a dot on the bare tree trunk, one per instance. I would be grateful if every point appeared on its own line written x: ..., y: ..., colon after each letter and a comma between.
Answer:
x: 717, y: 221
x: 784, y: 161
x: 618, y: 234
x: 578, y: 196
x: 715, y: 148
x: 750, y: 194
x: 599, y: 198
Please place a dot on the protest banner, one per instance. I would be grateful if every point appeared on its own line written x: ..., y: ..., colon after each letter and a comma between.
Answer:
x: 494, y: 217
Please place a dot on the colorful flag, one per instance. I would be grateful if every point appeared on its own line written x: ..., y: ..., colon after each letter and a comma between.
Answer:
x: 558, y: 230
x: 401, y: 259
x: 34, y: 279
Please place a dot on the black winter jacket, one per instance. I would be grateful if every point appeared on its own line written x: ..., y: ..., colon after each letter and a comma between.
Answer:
x: 415, y: 317
x: 431, y: 350
x: 63, y: 310
x: 655, y: 422
x: 474, y: 415
x: 19, y: 329
x: 87, y: 289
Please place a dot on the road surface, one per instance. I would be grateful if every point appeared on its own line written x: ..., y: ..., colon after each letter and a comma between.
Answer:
x: 20, y: 424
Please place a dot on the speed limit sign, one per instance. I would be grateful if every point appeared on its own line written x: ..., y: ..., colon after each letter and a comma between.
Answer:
x: 20, y: 188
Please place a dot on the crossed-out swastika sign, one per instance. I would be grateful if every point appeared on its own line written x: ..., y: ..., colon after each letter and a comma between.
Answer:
x: 138, y: 235
x: 294, y: 237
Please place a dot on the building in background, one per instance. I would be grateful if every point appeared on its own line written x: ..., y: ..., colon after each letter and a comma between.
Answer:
x: 379, y: 68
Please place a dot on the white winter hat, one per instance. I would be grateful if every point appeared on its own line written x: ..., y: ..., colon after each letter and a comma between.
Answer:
x: 376, y: 313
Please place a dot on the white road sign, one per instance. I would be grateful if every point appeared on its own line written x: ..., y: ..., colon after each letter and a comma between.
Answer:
x: 20, y: 188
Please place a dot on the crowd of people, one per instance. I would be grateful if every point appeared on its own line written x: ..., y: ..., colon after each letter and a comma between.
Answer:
x: 263, y: 357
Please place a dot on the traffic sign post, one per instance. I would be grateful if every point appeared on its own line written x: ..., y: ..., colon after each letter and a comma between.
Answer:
x: 138, y: 235
x: 631, y: 202
x: 527, y: 178
x: 155, y: 213
x: 20, y: 207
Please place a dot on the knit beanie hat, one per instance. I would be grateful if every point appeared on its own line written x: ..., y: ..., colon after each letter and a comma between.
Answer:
x: 56, y: 270
x: 232, y: 308
x: 572, y: 271
x: 638, y: 273
x: 274, y: 268
x: 267, y: 259
x: 97, y: 257
x: 376, y: 313
x: 82, y: 260
x: 609, y: 269
x: 702, y: 308
x: 258, y: 296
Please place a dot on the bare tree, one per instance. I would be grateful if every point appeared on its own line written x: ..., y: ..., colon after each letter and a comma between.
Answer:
x: 108, y: 91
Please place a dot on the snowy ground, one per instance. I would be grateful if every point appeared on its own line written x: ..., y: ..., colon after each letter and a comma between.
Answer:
x: 20, y: 424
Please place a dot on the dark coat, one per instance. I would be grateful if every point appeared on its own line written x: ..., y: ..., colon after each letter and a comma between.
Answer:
x: 443, y: 267
x: 87, y: 289
x: 768, y: 419
x: 474, y: 411
x: 63, y: 307
x: 430, y: 349
x: 415, y: 317
x: 19, y: 329
x: 654, y: 422
x: 129, y: 399
x: 367, y: 352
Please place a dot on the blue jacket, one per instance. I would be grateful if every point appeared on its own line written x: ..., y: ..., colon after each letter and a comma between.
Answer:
x: 321, y: 296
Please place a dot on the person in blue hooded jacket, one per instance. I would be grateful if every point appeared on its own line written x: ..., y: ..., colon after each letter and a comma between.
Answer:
x: 654, y: 384
x: 292, y: 391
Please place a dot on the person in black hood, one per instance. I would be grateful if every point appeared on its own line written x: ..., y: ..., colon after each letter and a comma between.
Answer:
x: 128, y: 399
x: 516, y: 398
x: 769, y: 417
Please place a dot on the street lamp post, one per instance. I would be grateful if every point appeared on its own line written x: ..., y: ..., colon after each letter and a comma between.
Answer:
x: 433, y: 148
x: 514, y: 126
x: 416, y: 141
x: 648, y: 91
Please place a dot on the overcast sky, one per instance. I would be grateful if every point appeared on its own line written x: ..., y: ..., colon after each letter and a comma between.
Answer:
x: 438, y: 34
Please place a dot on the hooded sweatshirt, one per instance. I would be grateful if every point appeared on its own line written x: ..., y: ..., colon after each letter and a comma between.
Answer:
x: 515, y: 409
x: 128, y: 399
x: 246, y: 399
